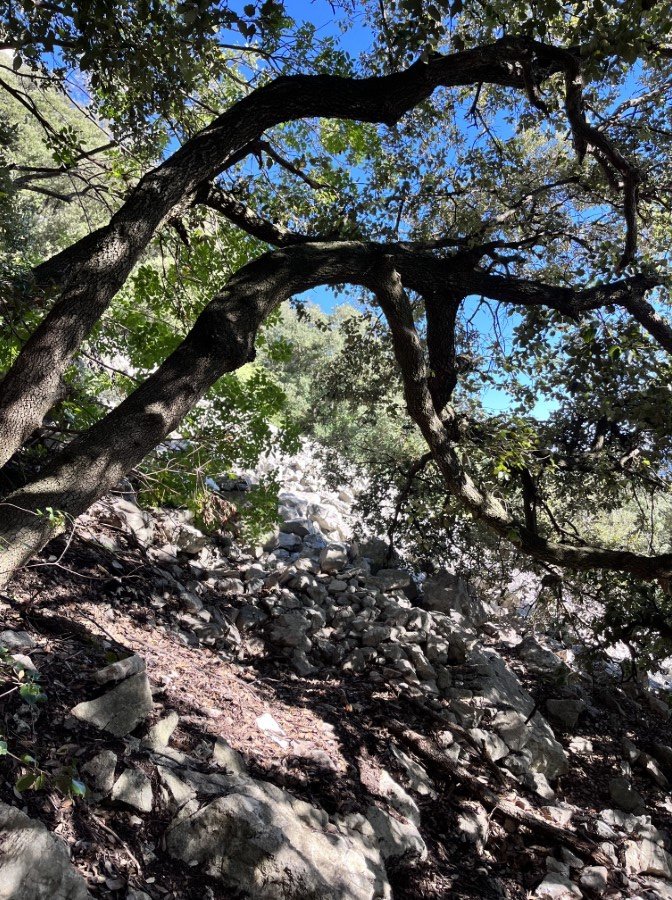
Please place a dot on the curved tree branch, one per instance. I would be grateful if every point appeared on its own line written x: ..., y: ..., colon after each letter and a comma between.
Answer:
x: 90, y: 273
x: 483, y: 506
x: 222, y: 339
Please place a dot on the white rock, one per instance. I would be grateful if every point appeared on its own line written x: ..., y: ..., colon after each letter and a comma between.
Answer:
x: 595, y: 878
x: 333, y: 558
x: 417, y: 775
x: 647, y: 858
x: 120, y: 710
x: 557, y: 887
x: 159, y: 734
x: 190, y: 540
x: 128, y: 515
x: 473, y: 824
x: 399, y: 841
x: 264, y: 842
x: 118, y: 671
x: 224, y: 756
x: 16, y: 640
x: 270, y: 727
x: 99, y: 771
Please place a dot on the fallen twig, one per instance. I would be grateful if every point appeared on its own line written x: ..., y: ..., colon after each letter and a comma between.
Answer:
x: 423, y: 748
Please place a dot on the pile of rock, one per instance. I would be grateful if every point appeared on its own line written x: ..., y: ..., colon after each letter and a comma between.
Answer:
x: 247, y: 834
x: 329, y: 604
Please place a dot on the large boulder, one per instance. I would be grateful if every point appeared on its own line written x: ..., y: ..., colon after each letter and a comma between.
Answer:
x: 34, y: 865
x: 260, y: 840
x: 525, y: 732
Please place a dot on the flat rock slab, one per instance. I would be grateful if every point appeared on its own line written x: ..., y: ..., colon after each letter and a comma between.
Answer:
x: 120, y: 710
x: 34, y: 865
x: 134, y: 789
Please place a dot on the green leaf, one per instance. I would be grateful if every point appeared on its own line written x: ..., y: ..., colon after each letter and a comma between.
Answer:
x: 3, y: 748
x: 26, y: 781
x: 32, y: 693
x: 77, y: 788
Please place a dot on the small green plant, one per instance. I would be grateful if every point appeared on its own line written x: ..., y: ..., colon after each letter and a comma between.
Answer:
x: 25, y: 683
x: 21, y: 679
x: 55, y: 517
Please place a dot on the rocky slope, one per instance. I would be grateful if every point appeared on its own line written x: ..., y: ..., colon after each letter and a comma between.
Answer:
x: 301, y: 720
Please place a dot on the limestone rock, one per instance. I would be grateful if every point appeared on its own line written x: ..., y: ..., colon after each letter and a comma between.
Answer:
x: 262, y: 840
x: 557, y: 887
x: 134, y: 789
x: 624, y: 795
x: 566, y: 712
x: 538, y: 659
x: 398, y: 797
x: 473, y: 824
x: 120, y: 710
x: 16, y: 640
x: 159, y: 734
x: 118, y: 671
x: 100, y: 771
x: 538, y: 783
x: 391, y: 579
x: 34, y: 865
x: 377, y: 551
x: 491, y: 744
x: 179, y: 792
x: 299, y: 527
x: 190, y: 540
x: 595, y: 878
x: 128, y: 515
x: 531, y: 738
x: 444, y: 592
x: 333, y: 558
x: 398, y: 841
x: 416, y: 773
x: 646, y: 857
x: 224, y: 756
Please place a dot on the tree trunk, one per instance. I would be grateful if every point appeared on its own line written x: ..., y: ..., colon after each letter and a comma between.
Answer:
x: 222, y: 339
x: 92, y: 271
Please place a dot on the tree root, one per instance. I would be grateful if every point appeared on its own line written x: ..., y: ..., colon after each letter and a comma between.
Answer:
x: 420, y: 745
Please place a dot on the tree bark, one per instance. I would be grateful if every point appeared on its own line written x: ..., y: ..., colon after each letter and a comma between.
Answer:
x: 222, y: 339
x: 91, y: 272
x: 483, y: 506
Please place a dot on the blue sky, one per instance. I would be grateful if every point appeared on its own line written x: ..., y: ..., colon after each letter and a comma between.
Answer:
x: 356, y: 39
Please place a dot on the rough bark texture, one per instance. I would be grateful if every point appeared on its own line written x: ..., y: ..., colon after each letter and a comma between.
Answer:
x: 222, y: 339
x: 91, y: 272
